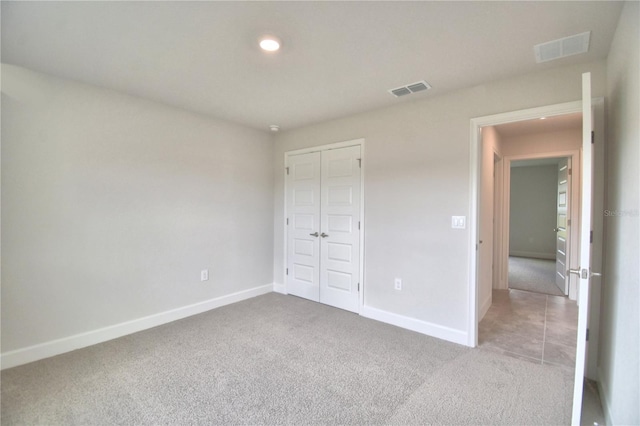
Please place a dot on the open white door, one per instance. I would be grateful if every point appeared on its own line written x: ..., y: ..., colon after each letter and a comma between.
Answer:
x: 584, y: 272
x: 563, y: 201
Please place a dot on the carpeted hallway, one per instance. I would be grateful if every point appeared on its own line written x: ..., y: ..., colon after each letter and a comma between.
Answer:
x: 279, y: 359
x: 536, y: 275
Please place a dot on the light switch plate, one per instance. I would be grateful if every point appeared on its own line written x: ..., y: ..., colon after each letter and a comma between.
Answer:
x: 458, y: 222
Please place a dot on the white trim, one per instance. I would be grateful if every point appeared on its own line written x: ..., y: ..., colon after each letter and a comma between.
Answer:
x: 280, y: 288
x: 82, y: 340
x: 355, y: 142
x: 423, y: 327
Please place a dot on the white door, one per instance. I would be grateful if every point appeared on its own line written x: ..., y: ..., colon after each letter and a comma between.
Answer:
x: 303, y: 229
x: 584, y: 270
x: 562, y: 234
x: 323, y: 226
x: 340, y: 223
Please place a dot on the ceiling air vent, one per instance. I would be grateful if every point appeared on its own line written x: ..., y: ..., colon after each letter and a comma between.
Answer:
x: 410, y: 88
x: 562, y: 47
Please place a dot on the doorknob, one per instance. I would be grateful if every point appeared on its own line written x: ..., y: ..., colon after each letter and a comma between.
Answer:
x: 577, y: 272
x: 556, y: 229
x: 323, y: 235
x: 315, y: 234
x: 583, y: 273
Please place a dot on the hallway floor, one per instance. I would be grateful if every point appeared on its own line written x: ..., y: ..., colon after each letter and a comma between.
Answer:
x: 538, y: 328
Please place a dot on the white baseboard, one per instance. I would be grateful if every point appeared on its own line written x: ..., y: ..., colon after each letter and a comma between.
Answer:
x: 82, y: 340
x: 606, y: 407
x: 424, y: 327
x: 533, y: 254
x: 280, y: 288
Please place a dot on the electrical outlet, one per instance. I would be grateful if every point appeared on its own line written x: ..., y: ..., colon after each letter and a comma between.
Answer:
x: 204, y: 275
x: 398, y: 283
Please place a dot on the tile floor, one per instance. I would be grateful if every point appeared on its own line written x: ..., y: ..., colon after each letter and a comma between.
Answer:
x: 538, y: 328
x: 532, y: 326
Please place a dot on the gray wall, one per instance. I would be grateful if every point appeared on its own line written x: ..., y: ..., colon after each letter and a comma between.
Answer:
x: 416, y: 173
x: 111, y: 206
x: 532, y: 211
x: 619, y: 374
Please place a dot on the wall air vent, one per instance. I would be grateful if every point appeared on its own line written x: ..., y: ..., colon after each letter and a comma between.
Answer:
x: 562, y: 47
x: 410, y: 88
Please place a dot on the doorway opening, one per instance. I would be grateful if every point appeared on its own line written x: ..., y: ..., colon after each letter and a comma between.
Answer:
x: 519, y: 183
x: 589, y: 155
x: 525, y: 199
x: 540, y: 221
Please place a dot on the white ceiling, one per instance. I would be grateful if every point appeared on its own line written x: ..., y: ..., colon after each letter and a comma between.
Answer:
x: 337, y: 58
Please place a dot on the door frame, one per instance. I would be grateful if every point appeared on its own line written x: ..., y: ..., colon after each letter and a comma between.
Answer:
x: 574, y: 214
x: 498, y: 221
x: 474, y: 198
x: 336, y: 145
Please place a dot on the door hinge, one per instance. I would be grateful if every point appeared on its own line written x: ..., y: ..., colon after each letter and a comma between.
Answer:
x: 358, y: 286
x: 569, y: 222
x: 287, y: 169
x: 359, y: 162
x: 593, y: 137
x: 287, y: 221
x: 591, y: 236
x: 587, y: 334
x: 569, y: 172
x: 358, y: 224
x: 287, y: 271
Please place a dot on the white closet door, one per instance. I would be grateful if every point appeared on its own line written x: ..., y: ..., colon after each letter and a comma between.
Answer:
x: 340, y: 234
x: 303, y: 210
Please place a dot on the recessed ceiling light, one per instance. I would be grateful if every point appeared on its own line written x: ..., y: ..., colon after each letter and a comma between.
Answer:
x: 543, y: 118
x: 274, y: 127
x: 270, y: 44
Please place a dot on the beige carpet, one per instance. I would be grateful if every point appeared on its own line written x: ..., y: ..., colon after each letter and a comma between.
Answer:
x: 279, y: 359
x: 536, y: 275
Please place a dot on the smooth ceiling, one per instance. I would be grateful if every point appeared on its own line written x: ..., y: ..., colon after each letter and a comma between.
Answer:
x: 337, y: 58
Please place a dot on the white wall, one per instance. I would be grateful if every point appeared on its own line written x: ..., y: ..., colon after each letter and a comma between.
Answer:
x: 416, y: 173
x: 619, y: 373
x: 491, y: 147
x: 539, y: 143
x: 111, y: 206
x: 533, y: 211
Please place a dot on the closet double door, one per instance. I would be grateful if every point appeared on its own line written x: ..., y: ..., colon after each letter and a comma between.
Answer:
x: 323, y: 192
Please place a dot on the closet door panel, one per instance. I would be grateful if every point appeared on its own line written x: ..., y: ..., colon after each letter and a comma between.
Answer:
x: 303, y: 210
x: 340, y: 235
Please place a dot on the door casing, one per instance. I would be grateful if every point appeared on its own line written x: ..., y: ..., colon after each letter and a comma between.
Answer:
x: 337, y: 145
x: 474, y: 184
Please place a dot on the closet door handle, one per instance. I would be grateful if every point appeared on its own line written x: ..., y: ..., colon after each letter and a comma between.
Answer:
x: 315, y: 234
x: 323, y: 235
